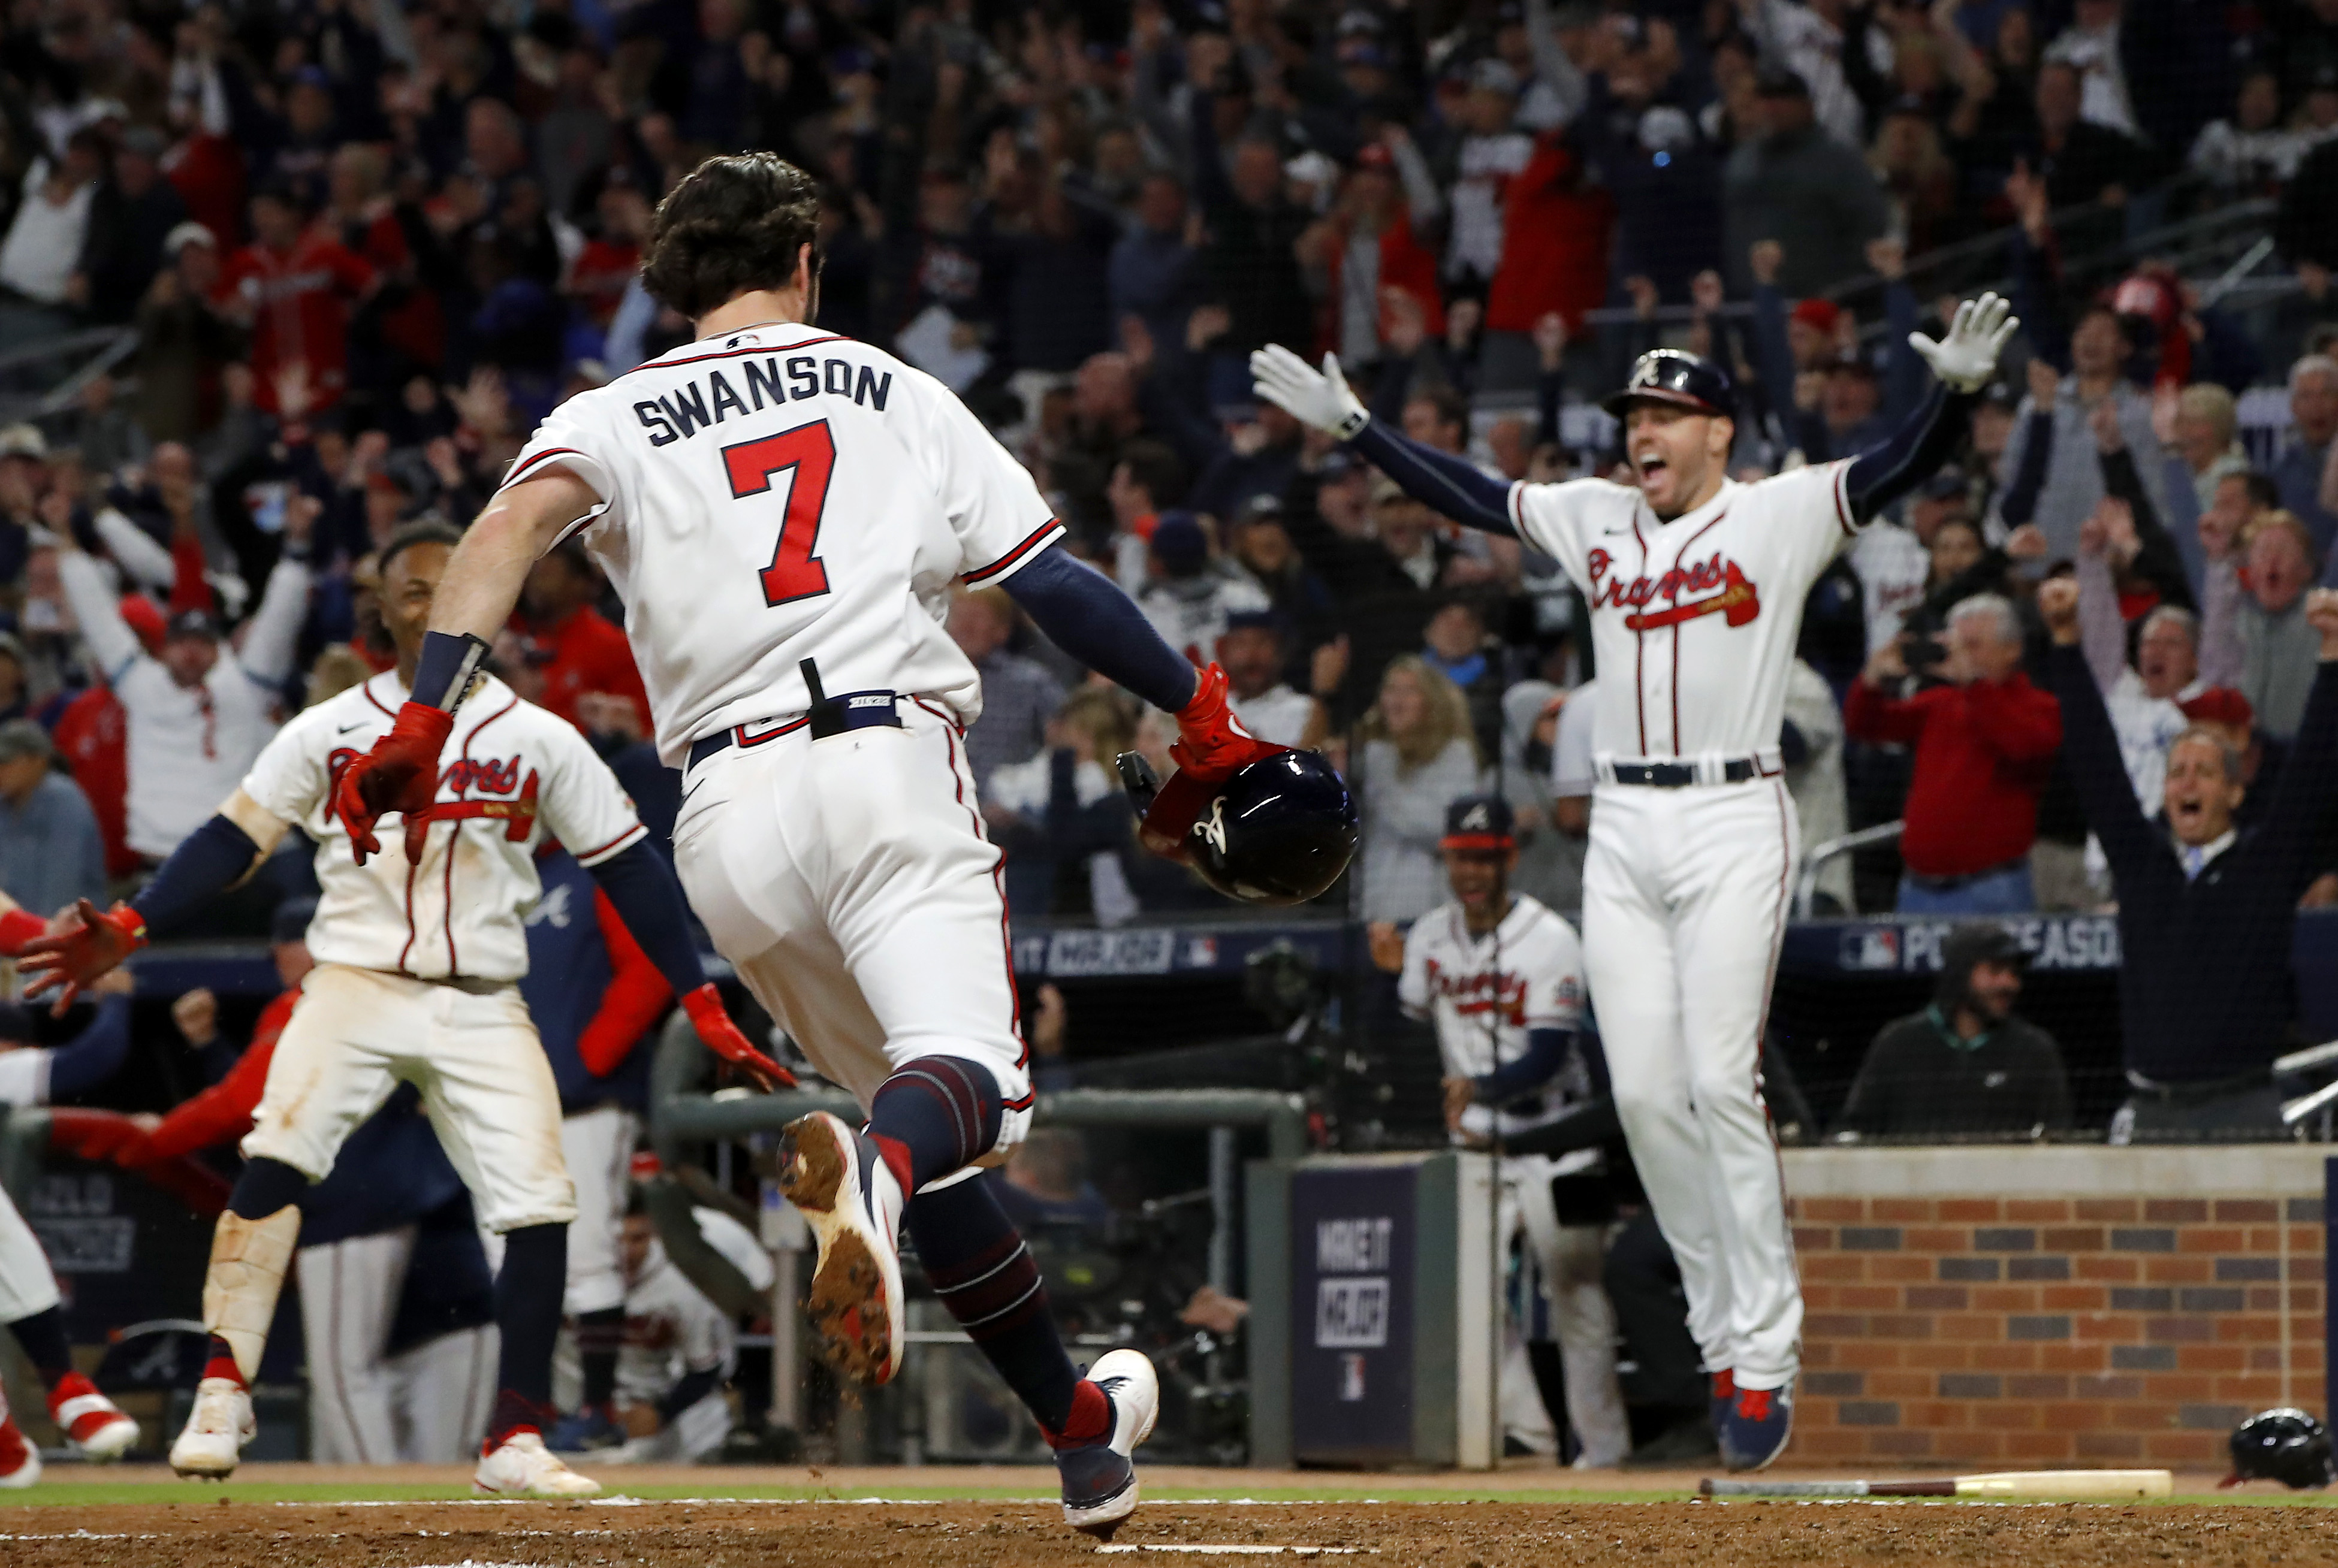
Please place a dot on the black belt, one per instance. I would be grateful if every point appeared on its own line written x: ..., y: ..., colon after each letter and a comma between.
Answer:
x: 1680, y: 775
x: 830, y: 716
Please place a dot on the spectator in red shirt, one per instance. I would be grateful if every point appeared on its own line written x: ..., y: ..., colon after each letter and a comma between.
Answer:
x: 294, y: 284
x: 585, y: 650
x: 1985, y: 739
x: 598, y: 277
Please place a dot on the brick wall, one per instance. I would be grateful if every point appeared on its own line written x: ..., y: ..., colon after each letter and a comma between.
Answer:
x: 2037, y: 1331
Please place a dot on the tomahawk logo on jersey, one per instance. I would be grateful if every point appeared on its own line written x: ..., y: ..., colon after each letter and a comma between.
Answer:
x: 512, y: 776
x: 782, y: 493
x: 1693, y: 620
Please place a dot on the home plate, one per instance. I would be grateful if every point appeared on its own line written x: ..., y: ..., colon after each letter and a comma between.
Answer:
x: 1245, y: 1550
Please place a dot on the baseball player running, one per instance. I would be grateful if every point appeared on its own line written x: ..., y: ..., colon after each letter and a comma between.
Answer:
x: 1696, y: 583
x: 1501, y: 976
x: 30, y: 1305
x: 418, y: 948
x: 783, y: 511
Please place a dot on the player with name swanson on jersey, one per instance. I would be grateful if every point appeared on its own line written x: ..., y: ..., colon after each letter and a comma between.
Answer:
x: 1696, y: 583
x: 418, y: 952
x: 784, y: 511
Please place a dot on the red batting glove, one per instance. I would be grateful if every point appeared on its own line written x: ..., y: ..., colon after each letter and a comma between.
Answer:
x: 1212, y: 744
x: 399, y: 774
x: 1212, y: 748
x: 704, y: 1006
x: 18, y: 926
x: 72, y: 959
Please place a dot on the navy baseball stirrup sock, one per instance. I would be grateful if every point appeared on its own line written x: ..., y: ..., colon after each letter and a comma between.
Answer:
x: 984, y: 1274
x: 527, y: 1314
x: 43, y: 1338
x: 265, y: 1187
x: 600, y: 1335
x: 934, y: 1116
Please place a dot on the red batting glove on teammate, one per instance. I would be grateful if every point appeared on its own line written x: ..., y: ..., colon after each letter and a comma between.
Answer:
x: 399, y: 774
x: 18, y: 926
x: 73, y: 958
x: 1212, y: 748
x: 704, y: 1006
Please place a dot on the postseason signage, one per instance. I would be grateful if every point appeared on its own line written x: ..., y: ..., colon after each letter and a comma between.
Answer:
x: 1352, y: 1314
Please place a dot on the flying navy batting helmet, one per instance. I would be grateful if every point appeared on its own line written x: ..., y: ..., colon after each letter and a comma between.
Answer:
x: 1279, y: 831
x: 1676, y: 376
x: 2285, y: 1446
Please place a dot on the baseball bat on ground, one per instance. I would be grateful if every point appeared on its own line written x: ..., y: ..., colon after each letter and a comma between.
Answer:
x: 2100, y: 1484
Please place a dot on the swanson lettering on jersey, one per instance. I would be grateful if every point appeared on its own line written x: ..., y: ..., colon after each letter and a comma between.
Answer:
x: 1723, y: 590
x: 746, y: 386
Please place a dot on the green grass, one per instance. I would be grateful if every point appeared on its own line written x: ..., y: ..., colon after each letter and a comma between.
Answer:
x: 99, y: 1493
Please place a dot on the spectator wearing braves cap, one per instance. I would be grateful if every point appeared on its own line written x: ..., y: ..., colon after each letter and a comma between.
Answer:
x: 2205, y: 908
x: 1964, y: 1064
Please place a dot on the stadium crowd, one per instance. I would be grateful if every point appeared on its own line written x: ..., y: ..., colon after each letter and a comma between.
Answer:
x: 348, y: 252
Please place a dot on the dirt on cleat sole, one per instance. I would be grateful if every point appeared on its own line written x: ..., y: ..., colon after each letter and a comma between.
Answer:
x: 845, y: 1302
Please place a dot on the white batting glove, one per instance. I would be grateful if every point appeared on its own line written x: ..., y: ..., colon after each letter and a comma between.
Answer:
x: 1318, y: 399
x: 1966, y: 355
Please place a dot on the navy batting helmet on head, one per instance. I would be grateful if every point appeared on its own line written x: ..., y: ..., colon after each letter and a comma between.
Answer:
x: 1676, y: 376
x: 2285, y: 1446
x: 1279, y: 831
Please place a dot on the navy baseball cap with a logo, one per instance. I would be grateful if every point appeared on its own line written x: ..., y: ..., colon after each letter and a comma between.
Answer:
x: 1477, y: 822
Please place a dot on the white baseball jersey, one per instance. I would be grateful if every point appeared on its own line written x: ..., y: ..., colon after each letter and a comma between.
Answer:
x: 510, y: 777
x: 1485, y: 994
x: 671, y: 1330
x: 1278, y: 715
x: 1693, y: 621
x: 781, y: 494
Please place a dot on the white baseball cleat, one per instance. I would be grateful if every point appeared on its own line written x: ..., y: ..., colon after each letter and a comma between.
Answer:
x: 522, y: 1467
x: 94, y: 1424
x: 838, y: 1182
x: 20, y: 1462
x: 217, y: 1428
x: 1099, y: 1477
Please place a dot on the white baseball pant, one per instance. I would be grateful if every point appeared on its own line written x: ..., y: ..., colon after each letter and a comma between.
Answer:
x: 485, y: 1085
x: 598, y: 1146
x: 427, y: 1404
x: 848, y: 882
x: 27, y: 1283
x: 1685, y: 904
x: 1570, y: 1259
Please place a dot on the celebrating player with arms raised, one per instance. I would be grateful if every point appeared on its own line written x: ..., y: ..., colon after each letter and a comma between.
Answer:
x: 1696, y: 583
x: 783, y: 511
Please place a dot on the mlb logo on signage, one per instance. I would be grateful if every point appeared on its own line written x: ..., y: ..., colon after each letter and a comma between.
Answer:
x: 1872, y: 948
x: 1351, y: 1377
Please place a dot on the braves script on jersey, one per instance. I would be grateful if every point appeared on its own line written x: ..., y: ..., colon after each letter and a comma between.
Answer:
x: 781, y: 494
x: 510, y: 777
x: 1693, y: 620
x: 1485, y: 992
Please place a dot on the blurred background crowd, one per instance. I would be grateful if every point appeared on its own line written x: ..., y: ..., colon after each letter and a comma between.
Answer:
x: 275, y: 278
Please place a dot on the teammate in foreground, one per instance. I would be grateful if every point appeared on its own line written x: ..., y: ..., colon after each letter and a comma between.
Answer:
x: 29, y: 1303
x: 783, y: 511
x: 1696, y: 583
x: 1502, y: 978
x: 418, y: 948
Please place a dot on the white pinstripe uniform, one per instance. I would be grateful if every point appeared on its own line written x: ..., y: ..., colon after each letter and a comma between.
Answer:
x: 780, y: 494
x: 1693, y: 623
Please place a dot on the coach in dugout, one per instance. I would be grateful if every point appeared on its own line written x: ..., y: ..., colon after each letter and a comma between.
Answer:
x: 2206, y: 908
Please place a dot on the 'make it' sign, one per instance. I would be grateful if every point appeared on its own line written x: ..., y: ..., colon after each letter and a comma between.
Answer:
x: 1352, y: 1364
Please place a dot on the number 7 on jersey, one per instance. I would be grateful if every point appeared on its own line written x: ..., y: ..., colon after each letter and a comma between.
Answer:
x: 795, y: 572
